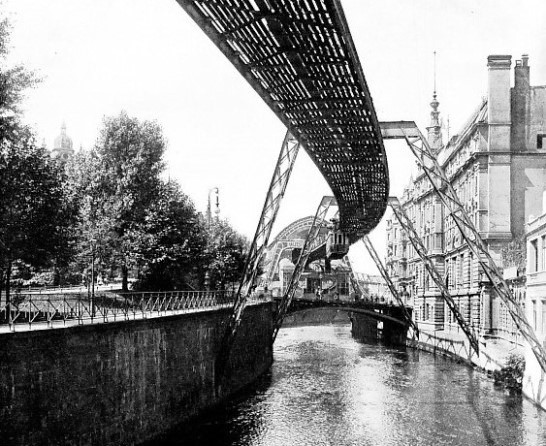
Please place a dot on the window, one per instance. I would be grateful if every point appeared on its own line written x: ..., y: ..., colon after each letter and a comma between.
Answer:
x: 540, y: 141
x: 544, y: 316
x: 460, y: 279
x: 534, y: 315
x: 543, y: 253
x: 533, y: 256
x: 454, y: 272
x: 469, y: 272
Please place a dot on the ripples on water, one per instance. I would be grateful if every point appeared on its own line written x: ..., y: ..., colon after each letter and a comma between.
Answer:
x: 327, y: 389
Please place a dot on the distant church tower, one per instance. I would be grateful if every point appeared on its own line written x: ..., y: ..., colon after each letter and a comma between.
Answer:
x: 62, y: 147
x: 434, y: 130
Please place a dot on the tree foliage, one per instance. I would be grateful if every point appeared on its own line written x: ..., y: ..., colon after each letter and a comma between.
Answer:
x: 130, y: 155
x: 32, y: 198
x: 106, y: 209
x: 173, y: 248
x: 31, y: 205
x: 13, y: 83
x: 226, y: 254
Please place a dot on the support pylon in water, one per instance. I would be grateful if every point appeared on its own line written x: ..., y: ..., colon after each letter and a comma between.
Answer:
x: 277, y: 188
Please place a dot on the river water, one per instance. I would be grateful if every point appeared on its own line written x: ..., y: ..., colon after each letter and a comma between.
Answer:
x: 325, y: 388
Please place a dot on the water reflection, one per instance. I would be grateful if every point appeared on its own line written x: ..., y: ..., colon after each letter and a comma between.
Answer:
x: 327, y: 389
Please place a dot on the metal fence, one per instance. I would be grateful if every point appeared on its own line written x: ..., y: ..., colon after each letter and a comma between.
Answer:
x: 49, y: 309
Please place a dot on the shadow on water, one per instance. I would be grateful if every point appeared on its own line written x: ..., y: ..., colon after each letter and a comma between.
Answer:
x: 511, y: 412
x: 227, y: 424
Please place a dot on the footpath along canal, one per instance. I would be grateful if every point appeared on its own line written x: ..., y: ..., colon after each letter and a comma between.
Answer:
x: 326, y: 388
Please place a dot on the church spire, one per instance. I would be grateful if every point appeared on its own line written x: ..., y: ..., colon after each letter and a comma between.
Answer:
x: 434, y: 130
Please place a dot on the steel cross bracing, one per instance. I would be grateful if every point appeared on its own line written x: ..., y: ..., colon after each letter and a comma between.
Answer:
x: 422, y: 252
x: 314, y: 230
x: 299, y: 56
x: 277, y: 188
x: 385, y: 275
x: 445, y: 191
x: 352, y: 277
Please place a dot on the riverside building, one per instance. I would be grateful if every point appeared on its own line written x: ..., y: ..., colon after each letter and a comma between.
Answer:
x: 497, y: 166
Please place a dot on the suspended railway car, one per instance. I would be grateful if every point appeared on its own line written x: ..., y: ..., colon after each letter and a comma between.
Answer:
x: 337, y: 244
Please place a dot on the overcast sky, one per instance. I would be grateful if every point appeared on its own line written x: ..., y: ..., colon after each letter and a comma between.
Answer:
x: 98, y: 57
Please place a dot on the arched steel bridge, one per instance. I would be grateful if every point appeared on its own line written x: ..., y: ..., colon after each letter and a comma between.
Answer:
x: 300, y: 58
x: 286, y: 240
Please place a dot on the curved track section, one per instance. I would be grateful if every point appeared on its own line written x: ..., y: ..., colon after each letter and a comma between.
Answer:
x: 300, y: 58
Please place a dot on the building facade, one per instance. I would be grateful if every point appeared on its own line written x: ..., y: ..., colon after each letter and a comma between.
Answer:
x: 536, y: 304
x: 497, y: 166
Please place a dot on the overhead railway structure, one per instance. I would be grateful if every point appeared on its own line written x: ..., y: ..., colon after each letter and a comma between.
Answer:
x: 299, y: 56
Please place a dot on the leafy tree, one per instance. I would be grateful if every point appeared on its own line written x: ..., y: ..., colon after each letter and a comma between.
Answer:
x: 172, y: 248
x: 131, y: 161
x: 13, y: 83
x: 31, y: 204
x: 31, y: 191
x: 226, y: 252
x: 95, y: 239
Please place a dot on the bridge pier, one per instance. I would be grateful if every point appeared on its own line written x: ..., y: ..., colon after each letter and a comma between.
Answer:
x: 365, y: 327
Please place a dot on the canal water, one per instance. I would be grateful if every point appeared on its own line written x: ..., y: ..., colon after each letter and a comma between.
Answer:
x: 325, y: 388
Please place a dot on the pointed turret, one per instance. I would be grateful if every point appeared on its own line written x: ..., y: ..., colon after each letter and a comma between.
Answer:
x: 434, y: 130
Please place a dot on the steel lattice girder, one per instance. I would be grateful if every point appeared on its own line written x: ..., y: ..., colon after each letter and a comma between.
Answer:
x: 314, y: 230
x: 277, y: 188
x: 443, y: 188
x: 299, y: 56
x: 383, y: 271
x: 422, y: 252
x: 354, y: 281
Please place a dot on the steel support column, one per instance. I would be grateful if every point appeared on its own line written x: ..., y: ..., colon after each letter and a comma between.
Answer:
x: 277, y: 188
x: 383, y: 271
x: 422, y: 252
x: 312, y: 235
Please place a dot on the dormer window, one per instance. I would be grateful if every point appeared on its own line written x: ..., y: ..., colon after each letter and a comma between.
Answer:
x: 541, y: 141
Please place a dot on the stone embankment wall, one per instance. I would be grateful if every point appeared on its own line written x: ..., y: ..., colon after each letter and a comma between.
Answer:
x: 122, y: 383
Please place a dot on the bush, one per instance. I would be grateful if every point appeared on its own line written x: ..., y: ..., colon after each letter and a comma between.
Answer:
x: 511, y: 375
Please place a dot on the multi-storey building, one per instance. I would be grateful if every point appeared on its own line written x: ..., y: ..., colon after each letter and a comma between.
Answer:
x: 497, y: 166
x: 536, y: 303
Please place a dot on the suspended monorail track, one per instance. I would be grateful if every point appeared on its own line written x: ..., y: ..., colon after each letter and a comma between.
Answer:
x: 299, y: 56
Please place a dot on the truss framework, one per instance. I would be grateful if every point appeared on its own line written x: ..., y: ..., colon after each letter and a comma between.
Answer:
x: 422, y: 252
x: 354, y: 281
x: 445, y: 191
x: 312, y: 235
x: 277, y: 188
x: 385, y: 275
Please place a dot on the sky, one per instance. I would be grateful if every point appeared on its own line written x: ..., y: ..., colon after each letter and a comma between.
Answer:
x: 147, y: 57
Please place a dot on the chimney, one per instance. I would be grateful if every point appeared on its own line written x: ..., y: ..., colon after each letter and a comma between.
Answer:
x: 498, y: 102
x: 522, y: 74
x: 499, y: 89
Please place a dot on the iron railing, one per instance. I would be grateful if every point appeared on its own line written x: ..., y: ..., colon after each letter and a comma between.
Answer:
x: 73, y: 309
